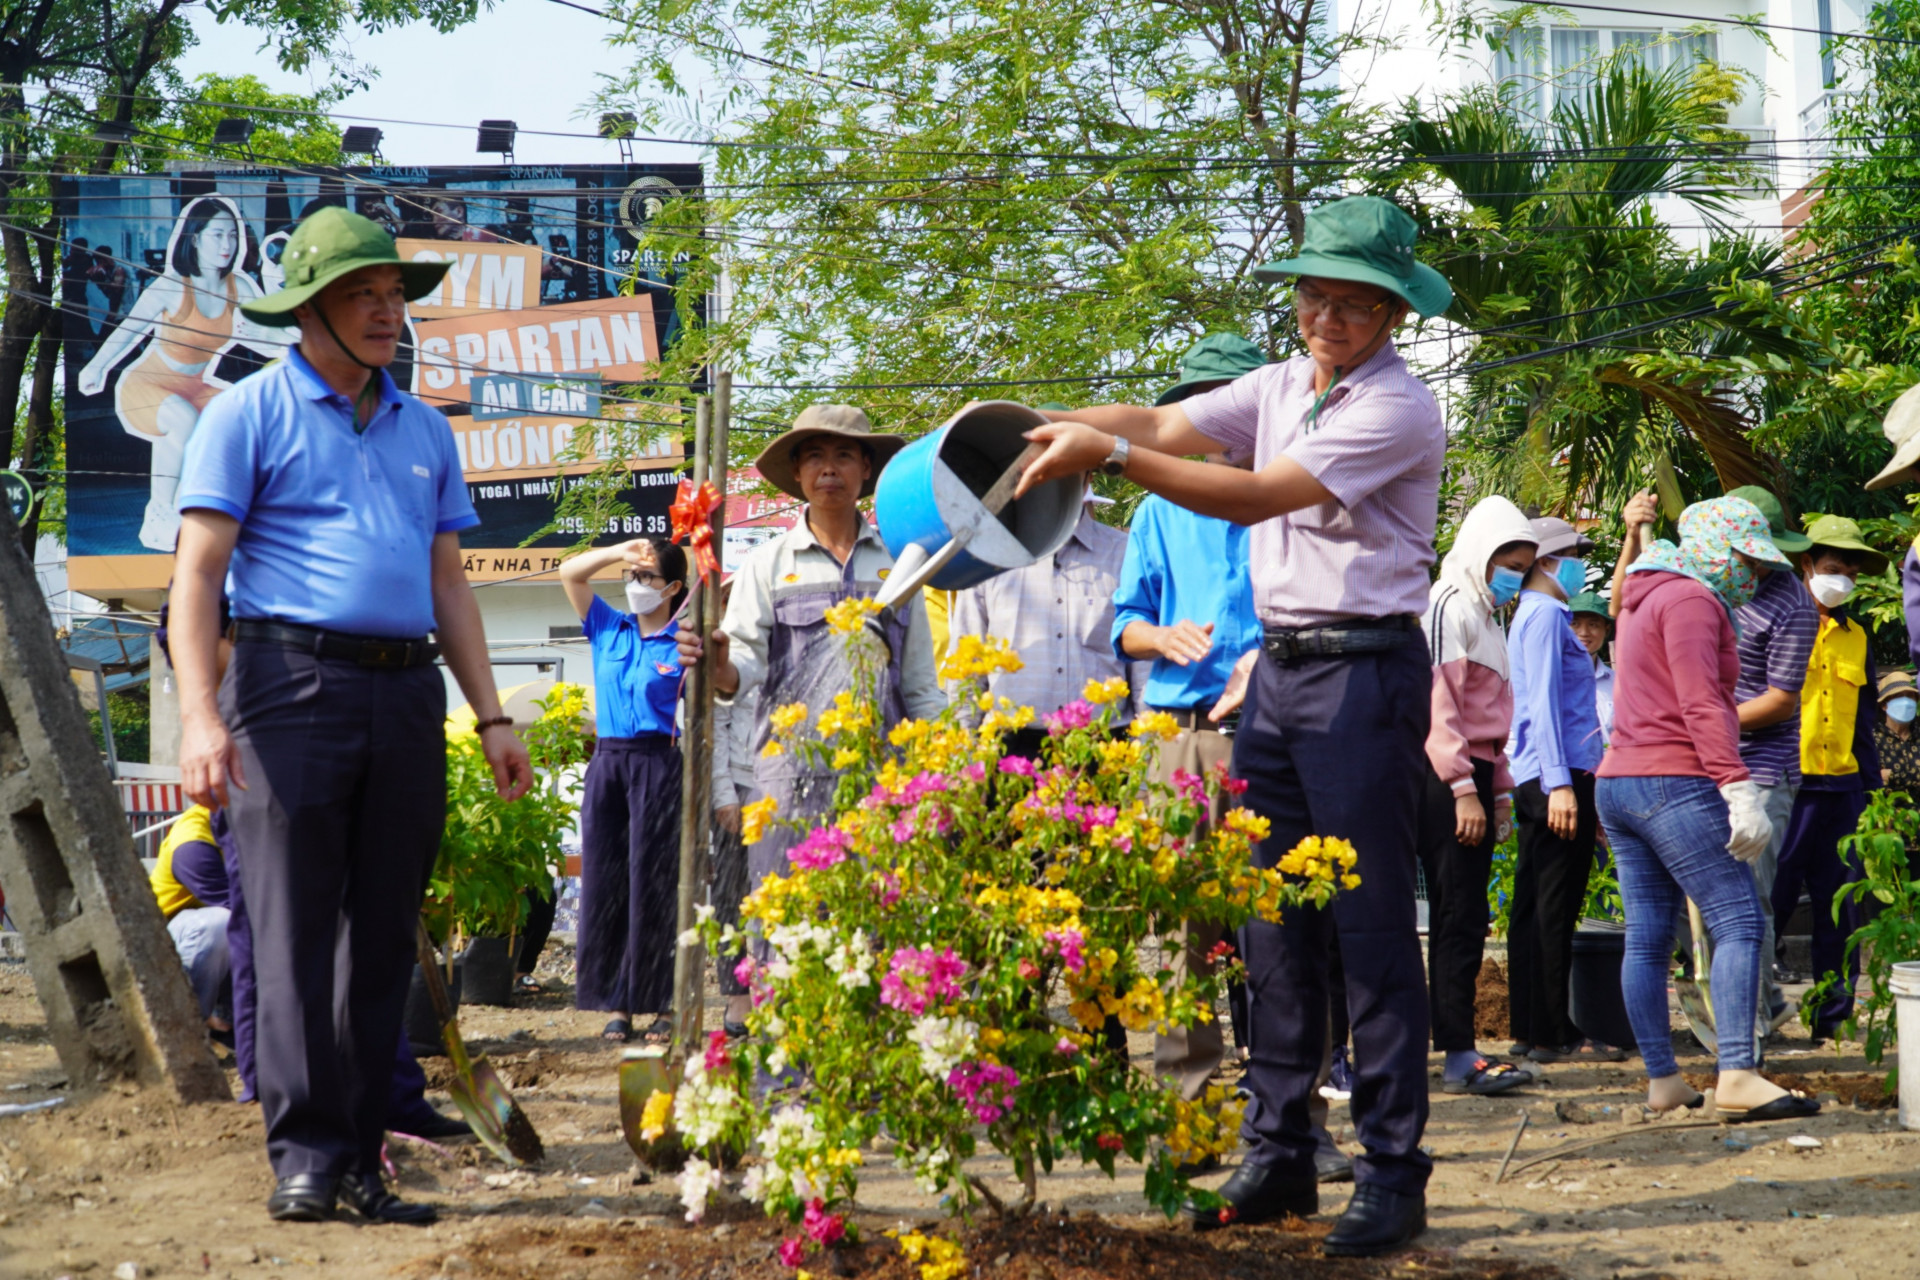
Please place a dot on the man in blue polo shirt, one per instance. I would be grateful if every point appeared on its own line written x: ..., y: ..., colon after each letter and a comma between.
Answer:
x: 328, y: 504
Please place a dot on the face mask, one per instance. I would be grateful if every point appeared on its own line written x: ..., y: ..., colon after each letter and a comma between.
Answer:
x: 1505, y: 584
x: 1901, y: 710
x: 1571, y: 574
x: 642, y: 599
x: 1830, y: 589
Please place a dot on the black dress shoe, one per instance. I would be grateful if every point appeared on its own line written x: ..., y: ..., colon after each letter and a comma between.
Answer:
x: 1377, y: 1220
x: 303, y: 1197
x: 441, y: 1128
x: 368, y: 1197
x: 1332, y: 1166
x: 1256, y: 1193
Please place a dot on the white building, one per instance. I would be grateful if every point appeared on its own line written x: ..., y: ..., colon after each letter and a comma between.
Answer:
x: 1789, y: 76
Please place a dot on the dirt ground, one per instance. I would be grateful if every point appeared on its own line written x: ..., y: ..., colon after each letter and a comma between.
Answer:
x: 127, y: 1183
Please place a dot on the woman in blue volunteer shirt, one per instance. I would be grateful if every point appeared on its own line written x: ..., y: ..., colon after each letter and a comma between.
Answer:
x: 630, y: 813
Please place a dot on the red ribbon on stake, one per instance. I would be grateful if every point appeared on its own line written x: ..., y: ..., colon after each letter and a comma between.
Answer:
x: 692, y: 513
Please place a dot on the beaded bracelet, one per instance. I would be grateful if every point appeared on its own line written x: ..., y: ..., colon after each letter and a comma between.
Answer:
x: 484, y: 725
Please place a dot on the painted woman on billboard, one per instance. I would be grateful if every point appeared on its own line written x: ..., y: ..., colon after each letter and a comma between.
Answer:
x: 192, y: 313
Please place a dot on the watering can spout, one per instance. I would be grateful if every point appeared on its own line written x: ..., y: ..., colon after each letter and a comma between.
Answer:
x: 946, y: 509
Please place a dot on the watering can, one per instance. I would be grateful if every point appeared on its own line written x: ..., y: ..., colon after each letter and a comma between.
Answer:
x: 946, y: 509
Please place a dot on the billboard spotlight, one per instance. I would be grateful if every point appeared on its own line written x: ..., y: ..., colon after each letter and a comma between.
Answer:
x: 497, y: 136
x: 234, y: 131
x: 112, y: 131
x: 619, y: 126
x: 361, y: 140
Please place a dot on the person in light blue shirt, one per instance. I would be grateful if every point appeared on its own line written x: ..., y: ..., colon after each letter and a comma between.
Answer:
x: 1553, y: 752
x: 630, y: 811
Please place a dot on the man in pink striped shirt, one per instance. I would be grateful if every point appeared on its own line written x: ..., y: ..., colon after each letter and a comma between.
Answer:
x: 1347, y: 447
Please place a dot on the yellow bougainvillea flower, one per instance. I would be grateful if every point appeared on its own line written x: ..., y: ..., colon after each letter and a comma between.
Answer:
x: 1157, y: 724
x: 976, y: 656
x: 1101, y: 692
x: 754, y: 818
x: 657, y: 1115
x: 851, y: 615
x: 788, y: 718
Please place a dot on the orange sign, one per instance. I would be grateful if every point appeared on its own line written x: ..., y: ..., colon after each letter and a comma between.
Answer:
x: 510, y: 448
x: 484, y: 277
x: 613, y: 337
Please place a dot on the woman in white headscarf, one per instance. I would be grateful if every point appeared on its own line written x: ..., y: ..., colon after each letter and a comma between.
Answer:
x: 1466, y: 805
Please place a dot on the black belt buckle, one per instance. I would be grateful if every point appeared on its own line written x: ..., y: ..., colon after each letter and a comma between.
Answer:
x: 382, y: 653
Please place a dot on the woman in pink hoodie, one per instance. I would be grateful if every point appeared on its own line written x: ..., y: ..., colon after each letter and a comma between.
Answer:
x: 1466, y: 801
x: 1679, y: 808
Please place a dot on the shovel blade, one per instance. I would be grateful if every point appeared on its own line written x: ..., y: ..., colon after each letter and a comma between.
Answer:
x: 642, y: 1073
x: 496, y: 1119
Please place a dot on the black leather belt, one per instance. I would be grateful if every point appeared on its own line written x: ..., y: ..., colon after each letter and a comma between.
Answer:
x: 367, y: 651
x: 1191, y: 718
x: 1359, y: 635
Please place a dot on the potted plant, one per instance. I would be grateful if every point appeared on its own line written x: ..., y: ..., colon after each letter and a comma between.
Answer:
x: 492, y: 852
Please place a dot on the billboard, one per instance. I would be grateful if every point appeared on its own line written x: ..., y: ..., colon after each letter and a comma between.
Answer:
x: 541, y: 337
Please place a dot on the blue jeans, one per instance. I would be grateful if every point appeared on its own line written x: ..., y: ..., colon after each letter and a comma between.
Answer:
x: 1669, y: 840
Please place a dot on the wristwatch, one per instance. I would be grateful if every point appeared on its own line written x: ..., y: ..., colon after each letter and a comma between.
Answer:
x: 1116, y: 463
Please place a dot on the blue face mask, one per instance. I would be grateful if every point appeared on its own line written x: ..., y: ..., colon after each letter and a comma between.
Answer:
x: 1505, y: 584
x: 1571, y: 574
x: 1900, y: 710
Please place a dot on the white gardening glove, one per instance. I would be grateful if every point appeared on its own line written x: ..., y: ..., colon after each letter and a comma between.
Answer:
x: 1752, y: 830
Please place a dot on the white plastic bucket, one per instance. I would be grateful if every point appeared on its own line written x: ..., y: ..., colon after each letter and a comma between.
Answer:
x: 1906, y: 994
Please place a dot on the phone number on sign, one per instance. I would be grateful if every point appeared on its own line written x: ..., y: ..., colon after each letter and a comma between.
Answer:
x: 616, y: 524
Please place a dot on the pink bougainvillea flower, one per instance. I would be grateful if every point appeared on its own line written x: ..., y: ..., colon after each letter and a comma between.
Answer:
x: 1017, y: 765
x: 917, y: 977
x: 1111, y: 1142
x: 1065, y: 1047
x: 1231, y: 785
x: 1190, y: 785
x: 793, y: 1251
x: 1077, y: 714
x: 1069, y: 943
x: 1028, y: 969
x: 975, y: 772
x: 743, y: 972
x: 886, y: 887
x: 717, y: 1058
x: 824, y: 1227
x: 986, y: 1087
x: 823, y: 847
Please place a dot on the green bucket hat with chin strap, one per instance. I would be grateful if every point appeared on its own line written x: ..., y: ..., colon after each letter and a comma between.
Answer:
x: 1370, y: 241
x: 1216, y: 358
x: 331, y: 244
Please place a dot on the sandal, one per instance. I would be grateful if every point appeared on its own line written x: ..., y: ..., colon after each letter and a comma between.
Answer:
x: 1595, y: 1051
x: 1699, y: 1100
x: 528, y: 985
x: 734, y: 1030
x: 1488, y: 1078
x: 661, y: 1032
x: 1792, y: 1105
x: 619, y: 1031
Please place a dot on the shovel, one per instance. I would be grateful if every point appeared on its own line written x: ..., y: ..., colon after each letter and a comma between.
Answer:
x: 916, y: 566
x: 1696, y: 993
x: 478, y: 1091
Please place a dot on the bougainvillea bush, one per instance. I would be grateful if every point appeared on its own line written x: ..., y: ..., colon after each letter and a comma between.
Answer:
x: 938, y: 963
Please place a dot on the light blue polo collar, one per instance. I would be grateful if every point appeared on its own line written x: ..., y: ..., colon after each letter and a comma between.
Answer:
x: 315, y: 387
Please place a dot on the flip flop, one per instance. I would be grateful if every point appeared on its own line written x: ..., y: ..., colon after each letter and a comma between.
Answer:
x: 619, y: 1031
x: 528, y: 985
x: 734, y: 1030
x: 1790, y: 1106
x: 1488, y: 1078
x: 1699, y: 1100
x: 661, y: 1032
x: 1595, y: 1051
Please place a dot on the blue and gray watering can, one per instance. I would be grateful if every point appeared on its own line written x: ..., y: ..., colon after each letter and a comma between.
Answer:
x: 946, y: 509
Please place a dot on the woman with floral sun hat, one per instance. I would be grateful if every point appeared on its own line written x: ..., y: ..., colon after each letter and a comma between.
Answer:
x: 1681, y: 810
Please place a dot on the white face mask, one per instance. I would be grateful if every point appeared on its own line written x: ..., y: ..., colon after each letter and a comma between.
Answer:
x: 642, y: 599
x: 1831, y: 589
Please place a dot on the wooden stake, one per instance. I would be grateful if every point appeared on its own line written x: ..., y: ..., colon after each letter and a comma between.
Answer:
x: 696, y: 754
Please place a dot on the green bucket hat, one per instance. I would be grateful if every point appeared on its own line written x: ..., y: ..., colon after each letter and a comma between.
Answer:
x: 1218, y: 357
x: 1368, y: 240
x: 330, y: 244
x: 1784, y: 538
x: 1844, y: 534
x: 1589, y: 602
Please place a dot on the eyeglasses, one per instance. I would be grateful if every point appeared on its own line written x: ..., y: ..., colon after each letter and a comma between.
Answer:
x: 646, y: 579
x: 1310, y: 303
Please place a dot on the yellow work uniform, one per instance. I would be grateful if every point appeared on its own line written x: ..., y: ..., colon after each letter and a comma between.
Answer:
x: 1830, y: 699
x: 195, y: 824
x: 939, y: 608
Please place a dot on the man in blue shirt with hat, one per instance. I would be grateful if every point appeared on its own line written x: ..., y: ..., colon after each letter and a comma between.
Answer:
x: 1347, y: 451
x: 328, y: 503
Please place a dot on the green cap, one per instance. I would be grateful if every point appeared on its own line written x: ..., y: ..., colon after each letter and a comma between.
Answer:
x: 1218, y: 357
x: 1368, y: 240
x: 330, y: 244
x: 1784, y: 538
x: 1844, y: 534
x: 1589, y: 602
